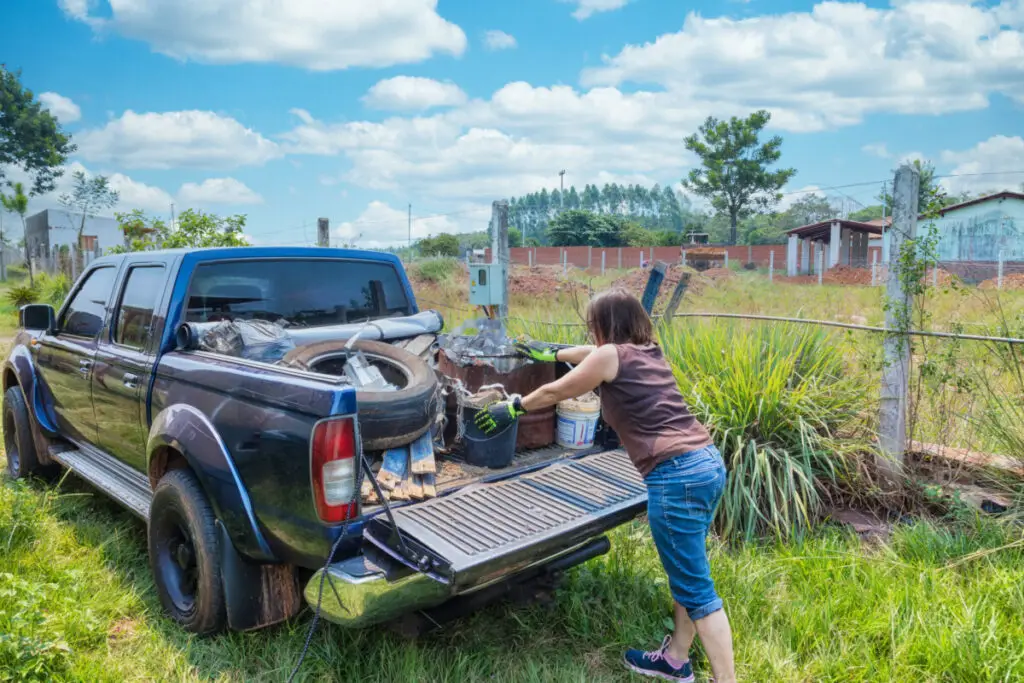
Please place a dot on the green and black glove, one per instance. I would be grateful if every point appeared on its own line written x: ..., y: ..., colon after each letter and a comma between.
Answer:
x: 538, y: 351
x: 495, y: 417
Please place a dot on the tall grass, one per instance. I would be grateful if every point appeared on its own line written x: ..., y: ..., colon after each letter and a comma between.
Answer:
x: 775, y: 398
x: 435, y: 270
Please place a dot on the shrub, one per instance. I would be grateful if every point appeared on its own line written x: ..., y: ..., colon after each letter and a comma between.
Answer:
x: 774, y: 398
x: 53, y: 288
x: 435, y: 270
x: 20, y: 295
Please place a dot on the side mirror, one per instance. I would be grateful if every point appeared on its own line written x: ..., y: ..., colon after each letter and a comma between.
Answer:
x: 38, y: 317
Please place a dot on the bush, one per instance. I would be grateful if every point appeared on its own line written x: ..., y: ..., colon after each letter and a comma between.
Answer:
x: 435, y: 270
x: 53, y: 289
x: 20, y: 295
x: 774, y: 398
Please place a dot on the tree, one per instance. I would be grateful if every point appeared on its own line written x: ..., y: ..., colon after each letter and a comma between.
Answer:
x: 868, y: 213
x: 87, y: 196
x: 442, y: 245
x: 734, y: 171
x: 17, y: 202
x: 194, y: 230
x: 30, y: 136
x: 929, y: 189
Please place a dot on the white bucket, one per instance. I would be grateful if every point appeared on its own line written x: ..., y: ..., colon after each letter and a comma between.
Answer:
x: 577, y: 421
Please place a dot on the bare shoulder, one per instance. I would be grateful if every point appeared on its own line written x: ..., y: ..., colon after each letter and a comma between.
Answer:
x: 607, y: 352
x: 606, y: 357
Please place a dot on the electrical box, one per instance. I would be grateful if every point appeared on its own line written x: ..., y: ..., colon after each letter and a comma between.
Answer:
x: 486, y: 284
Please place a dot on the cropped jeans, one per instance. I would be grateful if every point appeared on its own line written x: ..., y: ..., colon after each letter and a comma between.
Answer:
x: 682, y: 495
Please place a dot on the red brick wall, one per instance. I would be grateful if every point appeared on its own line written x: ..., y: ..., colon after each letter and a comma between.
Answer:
x: 977, y: 271
x: 583, y: 257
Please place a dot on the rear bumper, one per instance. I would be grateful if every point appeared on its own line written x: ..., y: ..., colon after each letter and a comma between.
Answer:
x: 355, y: 593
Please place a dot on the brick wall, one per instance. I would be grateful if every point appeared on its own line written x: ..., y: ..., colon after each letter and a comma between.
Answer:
x: 629, y: 257
x: 977, y: 271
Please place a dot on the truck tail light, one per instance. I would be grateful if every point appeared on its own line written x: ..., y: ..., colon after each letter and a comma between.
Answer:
x: 334, y: 468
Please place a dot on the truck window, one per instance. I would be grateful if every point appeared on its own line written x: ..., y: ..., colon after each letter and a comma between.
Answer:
x: 142, y: 290
x: 83, y: 316
x: 299, y: 292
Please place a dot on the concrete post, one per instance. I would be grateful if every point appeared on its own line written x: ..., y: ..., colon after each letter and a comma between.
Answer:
x: 590, y: 262
x: 684, y: 258
x: 835, y: 244
x: 500, y: 254
x: 805, y: 257
x: 819, y: 260
x: 529, y: 258
x: 323, y: 232
x: 771, y: 265
x: 892, y: 423
x: 603, y: 254
x: 620, y: 258
x: 999, y: 275
x: 935, y: 275
x: 886, y: 239
x: 565, y: 263
x: 750, y: 254
x: 792, y: 255
x: 727, y: 258
x: 652, y: 254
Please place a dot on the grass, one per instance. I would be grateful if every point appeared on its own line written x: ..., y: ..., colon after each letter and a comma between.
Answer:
x: 78, y: 604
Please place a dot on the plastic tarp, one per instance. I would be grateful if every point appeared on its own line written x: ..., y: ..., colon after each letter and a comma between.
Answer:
x: 257, y: 340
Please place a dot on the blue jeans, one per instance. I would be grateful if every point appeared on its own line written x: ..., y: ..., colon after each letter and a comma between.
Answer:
x: 682, y: 494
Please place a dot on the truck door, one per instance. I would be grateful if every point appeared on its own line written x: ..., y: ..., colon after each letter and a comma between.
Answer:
x: 66, y: 357
x: 124, y: 363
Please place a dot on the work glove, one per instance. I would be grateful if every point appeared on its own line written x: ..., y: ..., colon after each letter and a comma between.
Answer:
x: 538, y: 351
x: 495, y: 417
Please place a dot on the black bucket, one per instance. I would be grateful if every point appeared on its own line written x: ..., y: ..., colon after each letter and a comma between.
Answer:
x: 495, y: 450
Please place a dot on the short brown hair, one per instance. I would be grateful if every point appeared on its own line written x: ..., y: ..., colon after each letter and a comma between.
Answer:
x: 617, y: 317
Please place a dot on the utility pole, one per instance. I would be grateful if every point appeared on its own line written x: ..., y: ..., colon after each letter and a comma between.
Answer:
x: 323, y: 232
x: 499, y: 252
x: 410, y: 231
x: 172, y: 215
x: 561, y: 190
x: 885, y: 232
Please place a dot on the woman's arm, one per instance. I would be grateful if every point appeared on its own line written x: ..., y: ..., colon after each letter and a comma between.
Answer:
x: 600, y: 364
x: 574, y: 354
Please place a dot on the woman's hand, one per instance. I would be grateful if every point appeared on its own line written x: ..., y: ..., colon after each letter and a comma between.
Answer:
x: 538, y: 351
x: 495, y: 417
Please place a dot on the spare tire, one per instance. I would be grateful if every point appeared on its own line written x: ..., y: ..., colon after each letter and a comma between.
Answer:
x: 387, y: 419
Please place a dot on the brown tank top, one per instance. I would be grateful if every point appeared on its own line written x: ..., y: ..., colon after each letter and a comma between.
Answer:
x: 643, y: 405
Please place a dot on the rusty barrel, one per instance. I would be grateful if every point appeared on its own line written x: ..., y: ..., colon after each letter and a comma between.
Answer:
x: 536, y: 429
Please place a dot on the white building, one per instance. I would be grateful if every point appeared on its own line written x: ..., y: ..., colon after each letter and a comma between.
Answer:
x: 52, y: 228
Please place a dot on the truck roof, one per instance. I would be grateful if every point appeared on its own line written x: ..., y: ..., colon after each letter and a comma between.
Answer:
x: 193, y: 256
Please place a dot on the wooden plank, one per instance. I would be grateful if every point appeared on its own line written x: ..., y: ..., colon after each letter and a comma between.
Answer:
x: 654, y: 281
x: 421, y: 454
x: 677, y: 296
x: 429, y: 485
x: 419, y: 345
x: 395, y: 468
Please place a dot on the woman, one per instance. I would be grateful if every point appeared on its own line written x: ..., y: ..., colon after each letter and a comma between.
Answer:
x: 681, y: 467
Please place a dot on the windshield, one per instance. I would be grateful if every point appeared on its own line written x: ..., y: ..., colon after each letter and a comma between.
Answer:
x: 299, y: 292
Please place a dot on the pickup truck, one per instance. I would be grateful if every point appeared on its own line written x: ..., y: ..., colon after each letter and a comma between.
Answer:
x: 248, y: 470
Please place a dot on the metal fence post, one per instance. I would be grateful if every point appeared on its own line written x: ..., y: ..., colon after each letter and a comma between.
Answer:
x: 819, y: 254
x: 892, y: 422
x: 529, y: 257
x: 590, y: 255
x: 771, y: 265
x: 999, y: 277
x: 727, y: 257
x: 620, y: 258
x: 603, y: 254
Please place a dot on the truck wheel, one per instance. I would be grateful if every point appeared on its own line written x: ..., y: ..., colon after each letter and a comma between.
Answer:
x: 387, y: 419
x: 18, y: 444
x: 184, y: 553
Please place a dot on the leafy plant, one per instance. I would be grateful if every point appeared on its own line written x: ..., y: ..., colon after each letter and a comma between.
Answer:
x: 53, y: 289
x: 435, y: 270
x: 20, y: 295
x: 775, y: 399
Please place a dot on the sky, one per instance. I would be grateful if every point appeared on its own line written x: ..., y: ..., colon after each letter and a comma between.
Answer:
x: 287, y: 111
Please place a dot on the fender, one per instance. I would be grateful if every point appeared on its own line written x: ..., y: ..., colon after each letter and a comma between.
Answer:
x: 189, y: 432
x: 20, y: 363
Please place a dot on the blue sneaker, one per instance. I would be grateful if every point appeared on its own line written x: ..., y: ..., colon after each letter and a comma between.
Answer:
x: 655, y: 665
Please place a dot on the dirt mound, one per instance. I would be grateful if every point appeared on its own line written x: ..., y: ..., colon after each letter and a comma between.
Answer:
x: 1012, y: 281
x: 540, y: 280
x: 716, y: 274
x: 636, y: 281
x: 839, y: 275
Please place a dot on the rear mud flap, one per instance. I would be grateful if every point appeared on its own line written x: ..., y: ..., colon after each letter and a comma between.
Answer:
x: 484, y: 532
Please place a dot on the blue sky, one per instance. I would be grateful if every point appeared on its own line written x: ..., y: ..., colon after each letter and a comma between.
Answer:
x: 287, y: 111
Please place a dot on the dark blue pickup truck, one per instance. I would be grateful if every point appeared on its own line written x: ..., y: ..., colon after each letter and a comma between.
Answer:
x: 250, y: 460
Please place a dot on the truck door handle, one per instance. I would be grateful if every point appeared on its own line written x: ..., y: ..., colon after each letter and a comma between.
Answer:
x: 84, y: 366
x: 131, y: 381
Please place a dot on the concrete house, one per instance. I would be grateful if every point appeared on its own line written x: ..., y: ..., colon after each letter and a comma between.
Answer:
x: 53, y: 228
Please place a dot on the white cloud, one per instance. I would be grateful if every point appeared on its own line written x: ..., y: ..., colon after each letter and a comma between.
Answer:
x: 381, y: 225
x: 312, y: 34
x: 587, y: 8
x: 833, y: 65
x: 980, y: 167
x: 218, y: 191
x: 499, y: 40
x: 133, y: 194
x: 191, y: 139
x: 413, y: 93
x: 62, y: 107
x: 877, y: 149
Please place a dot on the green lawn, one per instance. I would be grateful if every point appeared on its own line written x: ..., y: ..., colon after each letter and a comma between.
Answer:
x: 78, y: 604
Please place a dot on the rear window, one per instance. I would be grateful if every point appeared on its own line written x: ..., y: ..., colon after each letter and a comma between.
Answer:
x: 301, y: 292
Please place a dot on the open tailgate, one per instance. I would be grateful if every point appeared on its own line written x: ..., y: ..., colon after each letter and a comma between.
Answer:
x: 483, y: 532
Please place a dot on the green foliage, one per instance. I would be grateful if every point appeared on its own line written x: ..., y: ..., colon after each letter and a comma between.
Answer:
x: 775, y: 402
x: 20, y: 295
x: 31, y: 138
x: 193, y: 230
x: 53, y: 289
x: 734, y: 171
x: 869, y: 213
x: 434, y: 270
x: 583, y: 228
x: 87, y: 196
x: 442, y: 245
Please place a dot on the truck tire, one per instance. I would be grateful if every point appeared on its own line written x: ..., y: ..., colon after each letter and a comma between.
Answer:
x: 22, y: 460
x: 387, y: 419
x: 184, y: 554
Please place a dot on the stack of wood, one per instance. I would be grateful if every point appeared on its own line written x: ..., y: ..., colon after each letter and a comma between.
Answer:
x: 406, y: 473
